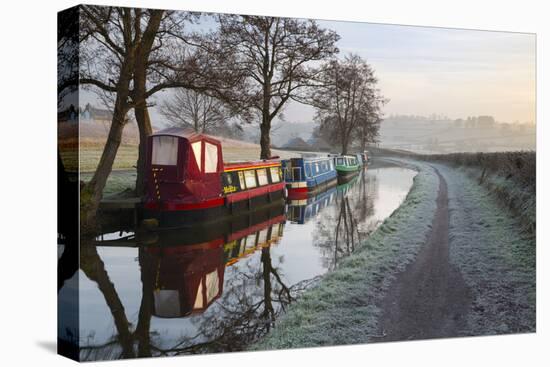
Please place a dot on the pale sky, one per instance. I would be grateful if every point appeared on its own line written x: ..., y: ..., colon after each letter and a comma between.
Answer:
x: 425, y: 70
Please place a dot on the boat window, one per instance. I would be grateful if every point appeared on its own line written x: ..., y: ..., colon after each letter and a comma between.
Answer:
x: 275, y: 177
x: 250, y: 179
x: 199, y: 301
x: 316, y: 168
x: 167, y: 302
x: 212, y: 285
x: 210, y: 158
x: 241, y: 180
x: 262, y: 236
x: 308, y: 170
x: 262, y: 177
x: 197, y: 153
x: 250, y: 241
x: 340, y: 161
x: 165, y: 150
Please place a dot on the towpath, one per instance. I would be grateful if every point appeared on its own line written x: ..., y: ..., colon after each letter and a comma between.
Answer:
x: 429, y: 299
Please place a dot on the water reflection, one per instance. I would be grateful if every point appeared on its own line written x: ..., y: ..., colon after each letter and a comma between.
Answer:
x: 345, y: 224
x: 221, y: 288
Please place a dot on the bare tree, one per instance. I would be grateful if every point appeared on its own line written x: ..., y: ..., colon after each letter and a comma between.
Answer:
x: 343, y: 101
x: 131, y: 54
x: 197, y: 110
x: 370, y: 119
x: 107, y: 62
x: 276, y: 57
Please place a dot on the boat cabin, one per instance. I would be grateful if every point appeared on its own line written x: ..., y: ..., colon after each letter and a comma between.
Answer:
x: 346, y: 161
x: 183, y: 165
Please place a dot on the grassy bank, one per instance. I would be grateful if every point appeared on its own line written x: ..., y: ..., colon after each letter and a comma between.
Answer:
x: 126, y: 157
x: 510, y: 176
x: 344, y: 307
x: 495, y: 255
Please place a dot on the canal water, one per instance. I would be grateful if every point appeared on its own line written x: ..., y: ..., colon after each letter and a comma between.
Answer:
x: 221, y: 288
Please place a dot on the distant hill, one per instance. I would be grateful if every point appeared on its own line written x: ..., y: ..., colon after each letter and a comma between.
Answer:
x: 282, y: 132
x: 446, y: 136
x: 297, y: 144
x: 319, y: 144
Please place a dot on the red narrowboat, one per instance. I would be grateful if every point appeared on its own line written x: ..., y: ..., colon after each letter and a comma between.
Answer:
x: 188, y: 182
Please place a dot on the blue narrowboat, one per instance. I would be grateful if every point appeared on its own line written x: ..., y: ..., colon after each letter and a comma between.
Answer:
x: 308, y: 175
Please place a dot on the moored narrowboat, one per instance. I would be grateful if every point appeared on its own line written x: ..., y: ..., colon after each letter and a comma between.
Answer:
x: 347, y: 165
x: 308, y: 175
x: 189, y: 183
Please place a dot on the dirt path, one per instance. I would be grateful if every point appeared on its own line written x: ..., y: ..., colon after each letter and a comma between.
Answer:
x: 429, y: 299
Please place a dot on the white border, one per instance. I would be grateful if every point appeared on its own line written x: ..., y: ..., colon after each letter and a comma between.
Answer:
x: 28, y: 70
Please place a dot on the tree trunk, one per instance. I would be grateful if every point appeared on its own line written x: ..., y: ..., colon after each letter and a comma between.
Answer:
x: 364, y: 139
x: 344, y: 141
x: 91, y: 194
x: 140, y: 95
x: 265, y: 139
x: 145, y: 130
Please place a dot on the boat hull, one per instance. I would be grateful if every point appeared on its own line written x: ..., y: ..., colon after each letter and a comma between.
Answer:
x: 171, y: 219
x: 307, y: 191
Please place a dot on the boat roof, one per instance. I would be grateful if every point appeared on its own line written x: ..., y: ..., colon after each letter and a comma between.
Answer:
x: 235, y: 166
x: 311, y: 158
x: 185, y: 133
x: 317, y: 158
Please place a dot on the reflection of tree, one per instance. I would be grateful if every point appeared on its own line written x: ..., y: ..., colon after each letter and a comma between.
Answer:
x: 148, y: 265
x: 346, y: 222
x: 94, y: 268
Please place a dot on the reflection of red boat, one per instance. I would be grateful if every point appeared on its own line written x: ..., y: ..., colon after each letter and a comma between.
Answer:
x: 188, y: 181
x: 187, y: 278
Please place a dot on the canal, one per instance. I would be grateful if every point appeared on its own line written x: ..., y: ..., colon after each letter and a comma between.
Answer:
x: 221, y: 288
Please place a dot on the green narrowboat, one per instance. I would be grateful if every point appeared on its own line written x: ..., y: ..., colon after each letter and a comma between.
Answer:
x: 347, y: 165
